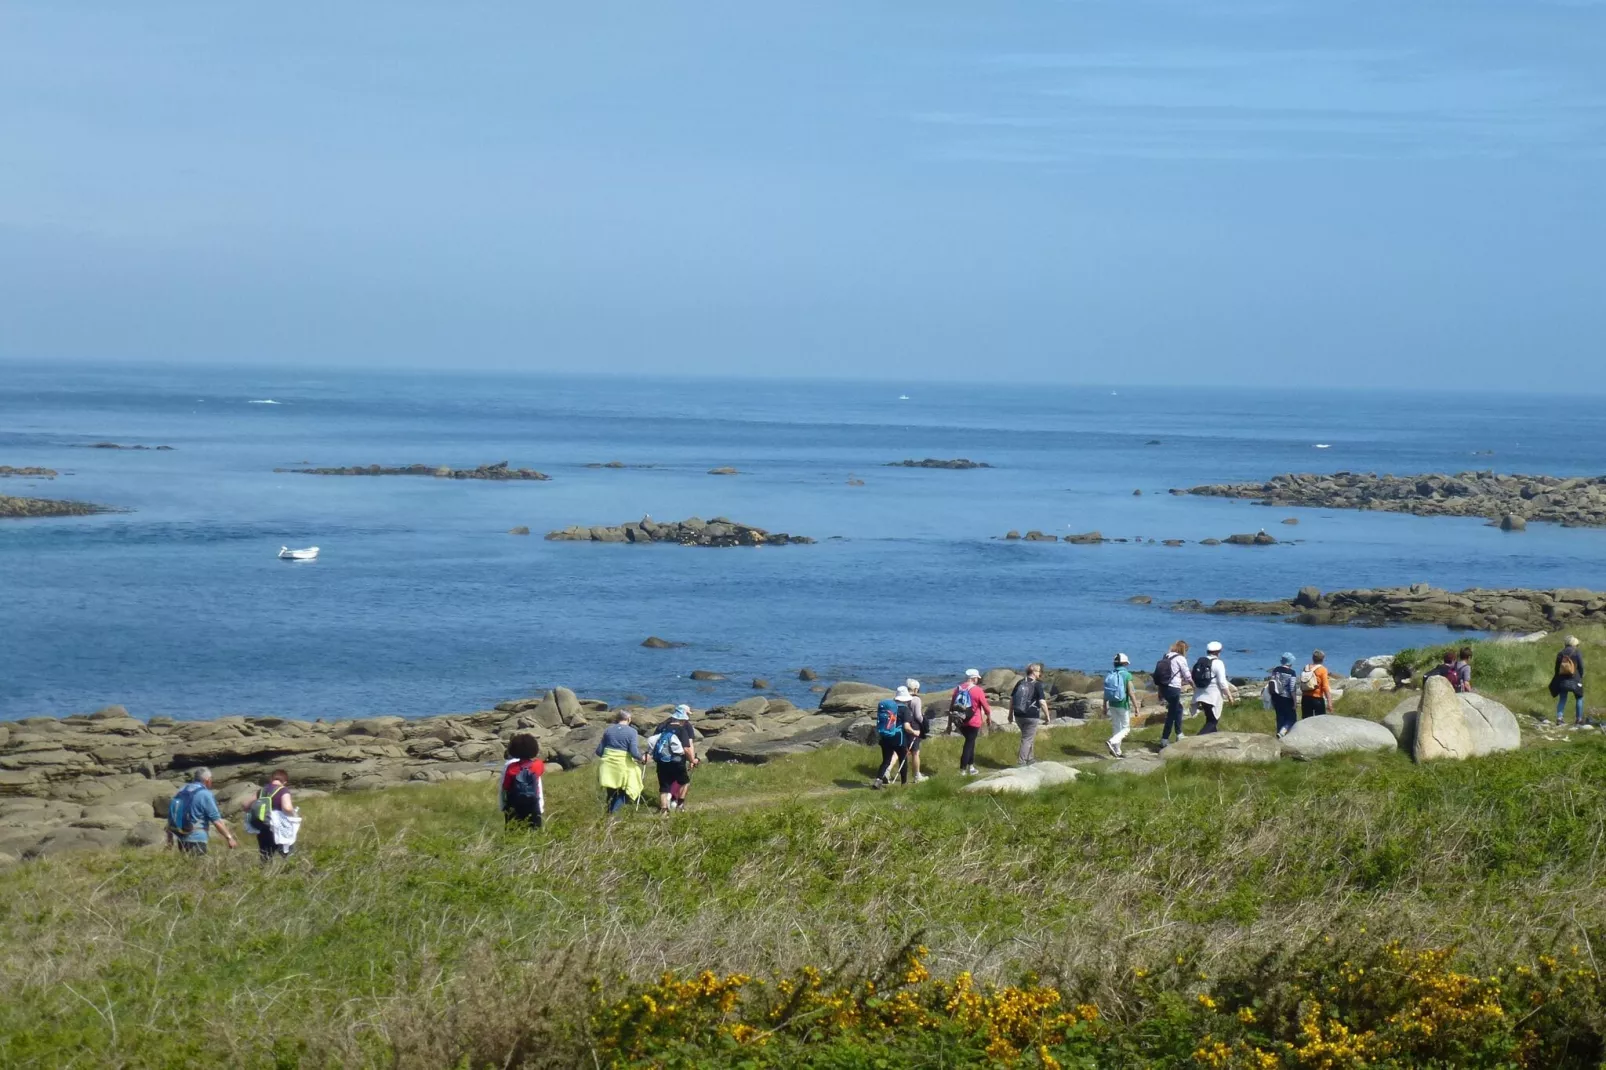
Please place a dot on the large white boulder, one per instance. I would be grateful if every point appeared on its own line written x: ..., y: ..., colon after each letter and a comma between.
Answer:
x: 1317, y: 737
x: 1225, y: 747
x: 1451, y: 725
x: 1023, y: 780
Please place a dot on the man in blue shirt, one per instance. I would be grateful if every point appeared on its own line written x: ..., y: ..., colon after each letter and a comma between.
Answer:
x: 192, y: 811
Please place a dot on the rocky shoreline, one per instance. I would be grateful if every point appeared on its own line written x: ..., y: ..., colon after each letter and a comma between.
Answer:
x: 18, y: 508
x: 101, y: 780
x: 1508, y: 500
x: 1094, y: 538
x: 1476, y: 609
x: 718, y: 532
x: 497, y: 471
x: 6, y: 471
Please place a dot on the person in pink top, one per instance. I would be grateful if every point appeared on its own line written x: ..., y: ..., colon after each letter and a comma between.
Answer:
x: 969, y: 707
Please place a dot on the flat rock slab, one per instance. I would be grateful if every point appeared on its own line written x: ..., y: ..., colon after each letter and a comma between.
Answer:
x: 1137, y: 765
x: 1317, y: 737
x: 1240, y: 747
x: 1022, y: 780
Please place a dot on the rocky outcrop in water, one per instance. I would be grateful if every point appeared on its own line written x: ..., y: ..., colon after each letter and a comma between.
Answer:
x: 1572, y: 502
x: 1512, y: 610
x: 958, y: 464
x: 497, y: 471
x: 38, y: 507
x: 7, y: 471
x: 121, y: 446
x: 718, y: 532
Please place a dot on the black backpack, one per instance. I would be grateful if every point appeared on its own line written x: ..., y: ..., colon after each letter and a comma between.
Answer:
x: 524, y: 796
x: 1162, y: 673
x: 1202, y: 672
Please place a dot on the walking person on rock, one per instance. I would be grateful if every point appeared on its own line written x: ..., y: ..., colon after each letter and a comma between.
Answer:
x: 272, y: 816
x: 674, y: 753
x: 1120, y: 702
x: 1283, y: 685
x: 1171, y: 678
x: 969, y: 706
x: 1028, y: 709
x: 1212, y: 688
x: 619, y: 772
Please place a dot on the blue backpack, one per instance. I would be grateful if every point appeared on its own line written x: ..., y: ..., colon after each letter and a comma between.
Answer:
x: 962, y: 698
x: 886, y: 719
x: 668, y: 748
x: 179, y: 822
x: 1115, y: 687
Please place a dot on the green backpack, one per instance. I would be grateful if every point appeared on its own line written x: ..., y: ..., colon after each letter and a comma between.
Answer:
x: 261, y: 808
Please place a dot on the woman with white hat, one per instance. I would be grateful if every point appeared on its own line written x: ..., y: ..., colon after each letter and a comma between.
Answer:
x: 1212, y: 687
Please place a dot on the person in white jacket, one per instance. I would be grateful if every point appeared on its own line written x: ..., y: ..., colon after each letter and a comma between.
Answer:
x: 1210, y: 699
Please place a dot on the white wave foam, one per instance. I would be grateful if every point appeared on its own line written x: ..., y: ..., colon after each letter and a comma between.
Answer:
x: 264, y: 401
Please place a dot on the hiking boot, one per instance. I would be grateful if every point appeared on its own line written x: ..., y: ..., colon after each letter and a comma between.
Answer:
x: 1164, y: 743
x: 877, y: 784
x: 972, y: 771
x: 921, y: 778
x: 1109, y: 745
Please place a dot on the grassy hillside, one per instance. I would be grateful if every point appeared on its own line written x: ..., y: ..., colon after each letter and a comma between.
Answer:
x: 1204, y: 915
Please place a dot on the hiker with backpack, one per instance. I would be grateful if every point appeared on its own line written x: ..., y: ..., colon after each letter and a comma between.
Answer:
x: 1212, y: 688
x: 969, y: 706
x: 522, y: 797
x: 1445, y: 668
x: 1171, y: 677
x: 889, y: 724
x: 272, y: 816
x: 1120, y: 702
x: 1283, y: 688
x: 619, y: 772
x: 192, y: 811
x: 916, y: 724
x: 1028, y: 709
x: 1316, y: 686
x: 674, y: 752
x: 1568, y: 679
x: 1463, y: 669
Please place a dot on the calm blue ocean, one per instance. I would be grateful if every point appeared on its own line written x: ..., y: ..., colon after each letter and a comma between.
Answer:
x: 421, y: 603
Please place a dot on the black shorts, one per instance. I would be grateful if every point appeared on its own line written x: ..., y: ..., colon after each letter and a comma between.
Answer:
x: 914, y: 744
x: 671, y: 773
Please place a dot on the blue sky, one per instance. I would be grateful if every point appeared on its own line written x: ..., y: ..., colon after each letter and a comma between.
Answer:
x: 1356, y: 193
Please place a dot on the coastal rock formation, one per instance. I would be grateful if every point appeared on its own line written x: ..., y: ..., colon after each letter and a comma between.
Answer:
x: 1317, y: 737
x: 1510, y: 610
x: 694, y: 532
x: 498, y: 471
x: 24, y: 473
x: 1572, y: 502
x: 958, y: 463
x: 1087, y: 538
x: 1260, y: 538
x: 120, y: 446
x: 725, y: 471
x: 37, y: 507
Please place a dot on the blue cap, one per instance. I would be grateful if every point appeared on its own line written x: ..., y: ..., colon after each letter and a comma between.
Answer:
x: 1288, y: 659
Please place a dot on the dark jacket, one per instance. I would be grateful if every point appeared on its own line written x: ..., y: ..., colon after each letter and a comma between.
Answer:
x: 1575, y: 683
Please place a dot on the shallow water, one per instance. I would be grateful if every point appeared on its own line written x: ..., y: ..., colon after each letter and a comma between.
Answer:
x: 421, y: 603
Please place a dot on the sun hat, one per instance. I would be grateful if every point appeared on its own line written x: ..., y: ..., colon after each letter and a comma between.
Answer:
x: 1212, y: 648
x: 1121, y: 659
x: 682, y: 713
x: 1288, y: 659
x: 1572, y: 640
x: 973, y: 674
x: 912, y: 684
x: 902, y: 694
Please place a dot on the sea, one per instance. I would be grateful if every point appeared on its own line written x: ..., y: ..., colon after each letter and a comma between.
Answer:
x: 421, y: 602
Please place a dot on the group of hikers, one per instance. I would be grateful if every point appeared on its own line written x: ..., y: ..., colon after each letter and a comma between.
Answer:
x: 192, y: 814
x: 902, y: 724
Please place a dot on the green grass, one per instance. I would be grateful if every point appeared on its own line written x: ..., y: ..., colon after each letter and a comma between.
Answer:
x: 413, y: 930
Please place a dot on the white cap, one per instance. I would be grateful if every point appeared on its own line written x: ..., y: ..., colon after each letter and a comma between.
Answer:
x: 973, y: 674
x: 1121, y: 659
x: 912, y: 684
x: 902, y: 694
x: 1212, y: 648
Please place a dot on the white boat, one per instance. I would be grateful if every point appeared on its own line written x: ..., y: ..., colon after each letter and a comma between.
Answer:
x: 903, y: 397
x: 287, y: 554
